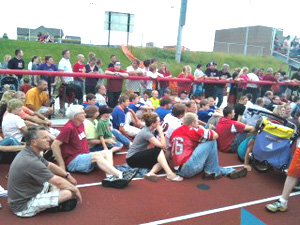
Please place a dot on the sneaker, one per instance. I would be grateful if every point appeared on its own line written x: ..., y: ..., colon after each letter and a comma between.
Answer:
x: 211, y: 176
x: 238, y: 173
x: 114, y: 182
x: 276, y: 206
x: 129, y: 174
x: 64, y: 206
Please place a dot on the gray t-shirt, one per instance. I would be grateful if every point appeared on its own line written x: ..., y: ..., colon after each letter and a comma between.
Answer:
x: 140, y: 142
x: 27, y: 174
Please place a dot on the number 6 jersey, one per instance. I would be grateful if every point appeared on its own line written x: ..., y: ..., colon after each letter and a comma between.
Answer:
x: 184, y: 141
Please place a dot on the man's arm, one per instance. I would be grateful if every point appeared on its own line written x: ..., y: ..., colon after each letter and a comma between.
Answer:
x: 57, y: 153
x: 14, y: 148
x: 249, y: 128
x: 60, y: 172
x: 30, y: 107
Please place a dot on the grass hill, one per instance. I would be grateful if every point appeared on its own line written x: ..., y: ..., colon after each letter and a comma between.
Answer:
x: 188, y: 58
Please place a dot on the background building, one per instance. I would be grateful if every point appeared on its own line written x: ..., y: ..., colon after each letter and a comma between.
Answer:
x: 258, y: 39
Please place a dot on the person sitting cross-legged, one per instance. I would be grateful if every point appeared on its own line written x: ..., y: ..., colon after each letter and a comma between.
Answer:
x: 231, y: 133
x: 35, y: 184
x: 194, y: 149
x: 140, y: 156
x: 37, y: 99
x: 71, y: 151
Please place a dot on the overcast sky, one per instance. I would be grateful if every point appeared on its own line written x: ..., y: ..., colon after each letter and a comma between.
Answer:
x: 155, y: 21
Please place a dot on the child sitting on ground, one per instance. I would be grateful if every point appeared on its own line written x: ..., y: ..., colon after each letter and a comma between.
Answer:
x: 205, y: 113
x: 154, y: 99
x: 26, y: 86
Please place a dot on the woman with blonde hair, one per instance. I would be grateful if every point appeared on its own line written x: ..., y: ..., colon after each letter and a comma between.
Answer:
x: 242, y: 88
x: 5, y: 61
x: 186, y: 74
x: 139, y: 156
x: 279, y: 110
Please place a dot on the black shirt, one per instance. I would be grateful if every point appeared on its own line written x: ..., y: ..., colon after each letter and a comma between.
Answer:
x: 233, y: 87
x: 239, y: 110
x: 210, y: 73
x: 16, y: 64
x: 297, y: 77
x: 223, y: 75
x: 89, y: 81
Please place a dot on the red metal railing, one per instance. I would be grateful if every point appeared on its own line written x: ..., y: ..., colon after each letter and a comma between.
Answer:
x: 97, y: 75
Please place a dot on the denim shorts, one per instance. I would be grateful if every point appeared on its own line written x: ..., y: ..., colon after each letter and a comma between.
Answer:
x: 82, y: 163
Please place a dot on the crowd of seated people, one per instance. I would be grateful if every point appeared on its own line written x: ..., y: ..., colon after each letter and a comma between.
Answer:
x: 180, y: 134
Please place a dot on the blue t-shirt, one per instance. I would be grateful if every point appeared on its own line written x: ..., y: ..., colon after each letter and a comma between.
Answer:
x: 162, y: 112
x: 204, y: 115
x: 44, y: 66
x: 118, y: 117
x: 135, y: 107
x: 85, y: 104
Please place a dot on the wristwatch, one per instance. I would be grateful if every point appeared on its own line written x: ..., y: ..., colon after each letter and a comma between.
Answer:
x: 67, y: 175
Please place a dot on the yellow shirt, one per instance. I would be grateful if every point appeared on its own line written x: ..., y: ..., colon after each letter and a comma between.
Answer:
x: 155, y: 102
x: 36, y: 98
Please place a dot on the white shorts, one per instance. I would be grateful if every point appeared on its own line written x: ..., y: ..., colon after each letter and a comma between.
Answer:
x: 41, y: 202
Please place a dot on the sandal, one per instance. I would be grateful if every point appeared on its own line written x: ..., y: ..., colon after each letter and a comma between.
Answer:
x: 175, y: 179
x: 152, y: 177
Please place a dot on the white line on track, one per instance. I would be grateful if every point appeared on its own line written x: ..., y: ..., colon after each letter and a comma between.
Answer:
x: 212, y: 211
x: 160, y: 175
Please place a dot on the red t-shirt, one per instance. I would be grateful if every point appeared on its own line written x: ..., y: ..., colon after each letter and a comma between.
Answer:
x: 184, y: 141
x: 164, y: 84
x: 115, y: 85
x: 74, y: 141
x: 25, y: 87
x: 227, y: 130
x: 184, y: 86
x: 78, y: 68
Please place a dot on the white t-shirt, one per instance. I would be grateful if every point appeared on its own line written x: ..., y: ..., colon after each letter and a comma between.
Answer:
x: 65, y: 65
x: 11, y: 126
x: 100, y: 99
x: 170, y: 123
x: 133, y: 85
x: 148, y: 102
x: 198, y: 73
x: 252, y: 77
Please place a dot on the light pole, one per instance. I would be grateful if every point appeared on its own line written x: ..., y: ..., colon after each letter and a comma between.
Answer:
x: 181, y: 24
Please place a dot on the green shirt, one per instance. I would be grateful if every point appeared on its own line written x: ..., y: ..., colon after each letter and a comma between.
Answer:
x: 103, y: 129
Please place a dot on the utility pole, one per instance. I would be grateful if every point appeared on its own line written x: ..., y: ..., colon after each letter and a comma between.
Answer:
x: 181, y: 24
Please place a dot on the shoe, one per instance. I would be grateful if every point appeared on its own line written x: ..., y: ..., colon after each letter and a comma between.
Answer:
x: 64, y: 207
x: 238, y: 173
x: 115, y: 182
x: 211, y: 176
x: 276, y: 206
x: 153, y: 178
x: 130, y: 174
x: 175, y: 179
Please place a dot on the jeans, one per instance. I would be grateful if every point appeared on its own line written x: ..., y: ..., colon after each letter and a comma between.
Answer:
x: 113, y: 98
x: 204, y: 157
x: 161, y: 92
x: 82, y: 163
x: 9, y: 141
x: 81, y: 85
x: 120, y: 137
x: 220, y: 95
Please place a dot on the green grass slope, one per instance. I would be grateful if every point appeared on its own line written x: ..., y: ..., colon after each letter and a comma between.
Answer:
x: 188, y: 58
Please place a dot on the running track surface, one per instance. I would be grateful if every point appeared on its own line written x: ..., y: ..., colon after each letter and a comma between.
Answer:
x: 144, y: 201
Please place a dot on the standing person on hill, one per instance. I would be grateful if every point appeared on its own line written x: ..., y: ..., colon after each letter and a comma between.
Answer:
x: 220, y: 88
x: 17, y: 63
x: 185, y: 86
x: 146, y: 63
x: 90, y: 82
x: 114, y: 86
x: 198, y: 87
x: 243, y: 76
x: 33, y: 65
x: 49, y: 65
x: 164, y: 84
x: 253, y: 88
x: 269, y: 76
x: 211, y: 73
x: 233, y: 88
x: 134, y: 70
x: 79, y: 67
x: 139, y: 156
x: 113, y: 60
x: 64, y: 65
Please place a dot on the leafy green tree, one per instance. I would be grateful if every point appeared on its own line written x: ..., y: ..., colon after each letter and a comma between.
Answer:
x: 5, y: 36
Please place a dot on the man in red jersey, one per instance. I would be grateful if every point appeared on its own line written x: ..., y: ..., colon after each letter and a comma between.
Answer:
x: 71, y: 149
x: 79, y: 67
x: 194, y: 150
